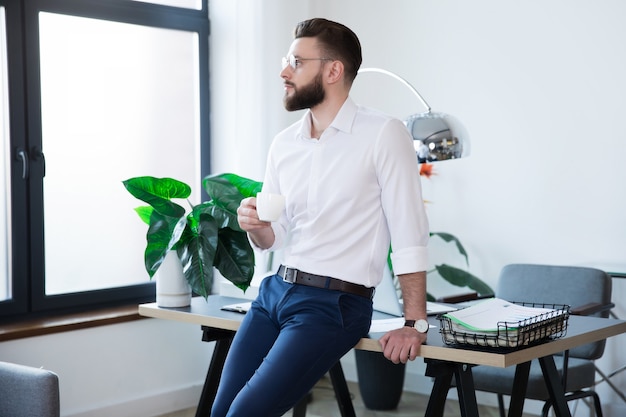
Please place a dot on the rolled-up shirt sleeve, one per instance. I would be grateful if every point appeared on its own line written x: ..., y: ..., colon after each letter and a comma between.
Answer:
x: 410, y: 260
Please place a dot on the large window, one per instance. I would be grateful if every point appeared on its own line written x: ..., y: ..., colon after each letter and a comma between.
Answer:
x: 111, y: 89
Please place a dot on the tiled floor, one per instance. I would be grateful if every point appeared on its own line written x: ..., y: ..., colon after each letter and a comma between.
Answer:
x: 324, y: 405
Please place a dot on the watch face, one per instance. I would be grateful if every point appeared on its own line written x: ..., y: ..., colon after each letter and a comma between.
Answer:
x: 421, y: 326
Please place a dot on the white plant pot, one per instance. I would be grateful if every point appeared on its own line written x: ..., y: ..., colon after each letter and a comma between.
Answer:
x: 172, y: 289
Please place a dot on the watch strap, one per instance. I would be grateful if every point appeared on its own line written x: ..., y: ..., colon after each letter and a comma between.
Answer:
x: 419, y: 325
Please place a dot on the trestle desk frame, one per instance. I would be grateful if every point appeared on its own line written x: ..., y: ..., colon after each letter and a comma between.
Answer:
x: 442, y: 362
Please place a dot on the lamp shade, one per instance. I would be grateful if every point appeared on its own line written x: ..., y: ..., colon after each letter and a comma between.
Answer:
x: 436, y: 136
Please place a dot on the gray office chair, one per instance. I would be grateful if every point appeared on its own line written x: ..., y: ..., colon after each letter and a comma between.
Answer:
x: 28, y: 392
x: 588, y: 292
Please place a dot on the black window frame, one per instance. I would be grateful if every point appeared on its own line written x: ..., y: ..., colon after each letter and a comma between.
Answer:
x: 27, y: 220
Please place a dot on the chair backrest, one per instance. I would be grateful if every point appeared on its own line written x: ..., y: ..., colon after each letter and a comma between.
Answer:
x: 27, y: 391
x: 571, y: 285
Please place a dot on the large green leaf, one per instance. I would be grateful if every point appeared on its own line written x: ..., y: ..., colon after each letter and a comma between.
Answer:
x: 158, y: 192
x: 222, y: 215
x: 447, y: 237
x: 223, y: 194
x: 163, y: 233
x: 198, y: 252
x: 144, y: 213
x: 235, y: 258
x: 227, y: 190
x: 461, y: 278
x: 245, y: 186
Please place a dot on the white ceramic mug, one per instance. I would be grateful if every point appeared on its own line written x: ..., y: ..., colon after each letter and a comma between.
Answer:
x: 269, y: 206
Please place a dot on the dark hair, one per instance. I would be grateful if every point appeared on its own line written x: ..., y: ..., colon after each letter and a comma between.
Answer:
x: 336, y: 40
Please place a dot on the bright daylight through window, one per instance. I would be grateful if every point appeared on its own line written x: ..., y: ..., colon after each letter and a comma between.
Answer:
x: 188, y: 4
x: 118, y: 100
x: 5, y: 167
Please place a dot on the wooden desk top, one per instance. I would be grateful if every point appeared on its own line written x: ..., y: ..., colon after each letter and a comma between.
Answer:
x: 581, y: 330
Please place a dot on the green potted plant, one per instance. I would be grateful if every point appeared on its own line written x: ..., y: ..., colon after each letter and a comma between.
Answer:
x: 207, y: 236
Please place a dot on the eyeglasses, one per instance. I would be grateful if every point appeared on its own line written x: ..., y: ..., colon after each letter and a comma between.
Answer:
x: 294, y: 62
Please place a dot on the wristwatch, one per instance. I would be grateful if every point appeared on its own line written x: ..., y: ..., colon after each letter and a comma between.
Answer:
x: 420, y: 325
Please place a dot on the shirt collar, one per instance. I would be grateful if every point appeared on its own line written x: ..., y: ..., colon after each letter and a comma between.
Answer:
x: 345, y: 117
x: 343, y: 120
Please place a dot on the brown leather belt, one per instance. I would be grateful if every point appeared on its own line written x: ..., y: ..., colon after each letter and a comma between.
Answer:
x: 295, y: 276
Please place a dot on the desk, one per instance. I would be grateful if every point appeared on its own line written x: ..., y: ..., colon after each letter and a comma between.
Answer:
x: 443, y: 362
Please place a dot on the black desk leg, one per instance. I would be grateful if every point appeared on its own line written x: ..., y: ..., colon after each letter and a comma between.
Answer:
x: 342, y: 393
x: 341, y: 390
x: 520, y: 384
x: 466, y: 391
x: 442, y: 372
x: 299, y: 410
x: 555, y: 386
x: 223, y: 339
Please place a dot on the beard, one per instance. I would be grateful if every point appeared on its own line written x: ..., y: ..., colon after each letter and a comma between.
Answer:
x: 307, y: 96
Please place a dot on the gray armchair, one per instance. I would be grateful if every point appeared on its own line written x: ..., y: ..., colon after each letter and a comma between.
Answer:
x: 28, y: 392
x: 588, y: 292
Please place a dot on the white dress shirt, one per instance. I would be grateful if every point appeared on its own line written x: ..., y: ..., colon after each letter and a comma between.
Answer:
x: 348, y: 195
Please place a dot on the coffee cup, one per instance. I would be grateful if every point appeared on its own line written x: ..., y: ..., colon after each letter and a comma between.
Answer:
x: 269, y: 206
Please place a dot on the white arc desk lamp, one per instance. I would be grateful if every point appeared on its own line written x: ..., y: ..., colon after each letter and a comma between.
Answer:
x: 436, y: 136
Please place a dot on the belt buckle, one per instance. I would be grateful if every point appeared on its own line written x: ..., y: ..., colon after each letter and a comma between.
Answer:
x: 290, y: 275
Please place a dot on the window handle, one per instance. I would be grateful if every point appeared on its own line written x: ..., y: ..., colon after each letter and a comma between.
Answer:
x: 22, y: 157
x: 39, y: 156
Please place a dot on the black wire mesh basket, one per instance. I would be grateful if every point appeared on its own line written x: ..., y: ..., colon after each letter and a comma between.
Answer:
x: 545, y: 326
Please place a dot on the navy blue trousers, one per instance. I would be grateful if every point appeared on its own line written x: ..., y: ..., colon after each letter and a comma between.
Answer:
x: 290, y: 338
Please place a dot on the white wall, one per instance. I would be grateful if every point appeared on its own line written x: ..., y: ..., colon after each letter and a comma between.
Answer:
x: 538, y: 85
